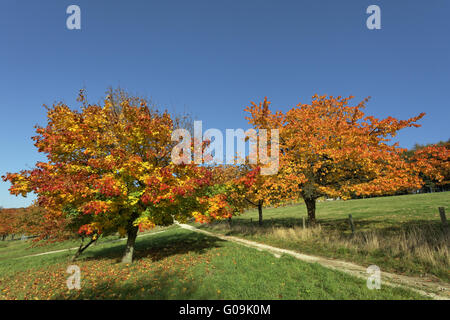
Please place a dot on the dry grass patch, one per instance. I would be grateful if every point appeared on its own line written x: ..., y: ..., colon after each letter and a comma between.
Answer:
x: 416, y: 249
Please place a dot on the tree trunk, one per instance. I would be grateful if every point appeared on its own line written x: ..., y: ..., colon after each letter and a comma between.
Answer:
x: 311, y: 208
x: 129, y: 249
x: 81, y: 249
x: 260, y: 213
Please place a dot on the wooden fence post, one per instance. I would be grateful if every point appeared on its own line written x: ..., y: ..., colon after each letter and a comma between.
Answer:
x: 350, y: 219
x: 443, y: 218
x: 303, y: 221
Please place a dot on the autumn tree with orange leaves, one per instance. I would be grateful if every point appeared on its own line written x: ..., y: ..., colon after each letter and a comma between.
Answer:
x: 258, y: 191
x: 227, y: 193
x: 264, y: 189
x: 109, y: 170
x: 433, y: 164
x: 328, y: 148
x: 34, y: 221
x: 8, y: 223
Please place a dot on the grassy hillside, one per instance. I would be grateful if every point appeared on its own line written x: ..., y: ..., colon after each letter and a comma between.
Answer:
x: 400, y: 234
x: 179, y: 264
x: 16, y: 248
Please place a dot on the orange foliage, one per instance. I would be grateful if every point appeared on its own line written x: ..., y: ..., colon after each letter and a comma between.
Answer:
x: 328, y: 148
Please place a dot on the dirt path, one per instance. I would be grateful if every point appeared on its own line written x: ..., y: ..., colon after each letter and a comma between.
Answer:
x: 424, y: 286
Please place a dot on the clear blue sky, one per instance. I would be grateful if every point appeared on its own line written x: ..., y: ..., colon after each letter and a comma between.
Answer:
x: 213, y: 57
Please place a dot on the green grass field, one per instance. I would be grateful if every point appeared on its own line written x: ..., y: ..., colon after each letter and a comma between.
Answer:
x: 15, y: 248
x: 400, y: 234
x: 180, y: 264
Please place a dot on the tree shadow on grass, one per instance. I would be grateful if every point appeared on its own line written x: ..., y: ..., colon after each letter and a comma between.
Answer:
x: 383, y: 226
x: 161, y: 283
x: 157, y: 285
x: 159, y: 246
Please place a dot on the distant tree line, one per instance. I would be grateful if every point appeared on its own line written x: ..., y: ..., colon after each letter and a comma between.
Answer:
x: 31, y: 222
x: 433, y: 160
